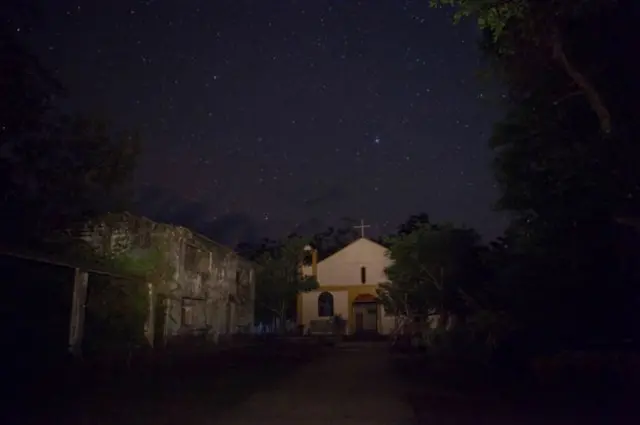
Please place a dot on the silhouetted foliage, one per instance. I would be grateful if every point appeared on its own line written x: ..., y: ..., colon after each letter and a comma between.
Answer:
x: 55, y: 170
x: 279, y: 280
x: 544, y: 37
x: 434, y: 269
x: 413, y: 223
x: 565, y: 274
x: 334, y: 239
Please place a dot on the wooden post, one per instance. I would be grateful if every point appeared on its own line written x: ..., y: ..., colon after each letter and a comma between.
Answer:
x: 252, y: 296
x: 151, y: 318
x: 78, y: 303
x: 167, y: 306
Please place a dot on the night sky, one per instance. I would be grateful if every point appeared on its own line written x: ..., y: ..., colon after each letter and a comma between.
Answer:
x: 262, y: 117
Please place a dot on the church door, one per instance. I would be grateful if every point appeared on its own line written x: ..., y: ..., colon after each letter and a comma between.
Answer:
x: 359, y: 322
x: 366, y: 317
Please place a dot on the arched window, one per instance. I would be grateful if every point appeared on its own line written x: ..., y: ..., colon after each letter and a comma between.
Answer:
x: 325, y: 305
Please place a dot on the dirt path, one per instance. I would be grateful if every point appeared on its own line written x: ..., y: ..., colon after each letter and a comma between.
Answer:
x: 352, y: 385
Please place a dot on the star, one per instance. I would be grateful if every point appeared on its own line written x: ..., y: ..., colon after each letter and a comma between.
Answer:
x: 256, y: 107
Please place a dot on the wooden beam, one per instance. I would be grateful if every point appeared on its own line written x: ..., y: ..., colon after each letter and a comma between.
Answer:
x: 70, y: 263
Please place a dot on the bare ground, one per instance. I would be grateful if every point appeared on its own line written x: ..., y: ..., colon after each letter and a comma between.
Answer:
x: 285, y: 383
x: 189, y: 390
x: 354, y: 385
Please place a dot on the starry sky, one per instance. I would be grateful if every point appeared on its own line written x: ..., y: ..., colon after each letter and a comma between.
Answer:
x: 261, y: 117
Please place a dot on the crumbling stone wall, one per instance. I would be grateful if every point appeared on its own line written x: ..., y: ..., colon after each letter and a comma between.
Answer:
x: 210, y: 289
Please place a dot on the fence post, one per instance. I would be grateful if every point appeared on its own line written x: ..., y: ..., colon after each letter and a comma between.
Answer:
x: 151, y: 322
x: 78, y: 303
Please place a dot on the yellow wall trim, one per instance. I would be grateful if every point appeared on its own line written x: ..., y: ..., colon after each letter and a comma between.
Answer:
x: 362, y: 288
x: 353, y: 292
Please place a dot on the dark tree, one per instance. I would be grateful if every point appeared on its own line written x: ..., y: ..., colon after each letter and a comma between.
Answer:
x: 566, y: 271
x: 568, y: 182
x: 413, y: 223
x: 334, y: 239
x: 56, y: 171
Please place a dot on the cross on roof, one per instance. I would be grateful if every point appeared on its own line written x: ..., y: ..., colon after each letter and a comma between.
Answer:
x: 361, y: 227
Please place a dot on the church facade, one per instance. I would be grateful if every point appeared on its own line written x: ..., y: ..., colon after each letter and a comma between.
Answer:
x: 347, y: 281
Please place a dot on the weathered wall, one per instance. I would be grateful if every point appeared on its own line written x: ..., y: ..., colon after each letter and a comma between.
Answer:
x: 209, y: 288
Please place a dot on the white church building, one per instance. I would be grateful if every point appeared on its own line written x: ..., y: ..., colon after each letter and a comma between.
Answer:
x: 348, y: 280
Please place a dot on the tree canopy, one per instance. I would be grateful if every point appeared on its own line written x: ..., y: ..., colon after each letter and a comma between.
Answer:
x: 433, y: 267
x: 565, y: 155
x: 279, y: 279
x: 530, y: 37
x: 56, y: 170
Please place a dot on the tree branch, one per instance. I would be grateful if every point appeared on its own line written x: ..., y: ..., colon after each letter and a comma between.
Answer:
x: 432, y: 278
x: 593, y: 97
x: 568, y: 96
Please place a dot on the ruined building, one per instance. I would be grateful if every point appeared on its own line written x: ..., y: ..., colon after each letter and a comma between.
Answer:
x: 197, y: 286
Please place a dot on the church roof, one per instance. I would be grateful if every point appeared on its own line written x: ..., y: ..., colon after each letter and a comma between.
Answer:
x: 352, y: 243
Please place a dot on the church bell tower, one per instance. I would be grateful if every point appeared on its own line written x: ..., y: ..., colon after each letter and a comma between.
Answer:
x: 314, y: 260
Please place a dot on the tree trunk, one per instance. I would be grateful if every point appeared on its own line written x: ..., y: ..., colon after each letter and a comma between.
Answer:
x: 589, y: 90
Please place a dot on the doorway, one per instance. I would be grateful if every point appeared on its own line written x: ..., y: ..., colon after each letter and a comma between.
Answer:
x: 159, y: 321
x: 366, y: 317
